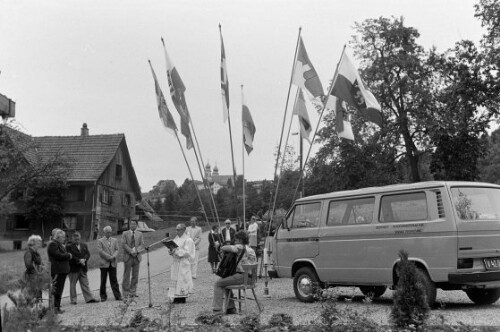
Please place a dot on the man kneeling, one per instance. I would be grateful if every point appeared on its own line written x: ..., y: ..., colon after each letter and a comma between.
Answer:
x: 241, y: 243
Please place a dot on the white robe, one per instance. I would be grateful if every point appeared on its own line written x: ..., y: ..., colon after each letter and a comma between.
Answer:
x: 180, y: 272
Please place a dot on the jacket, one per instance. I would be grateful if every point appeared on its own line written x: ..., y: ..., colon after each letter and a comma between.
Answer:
x: 232, y: 234
x: 74, y: 263
x: 128, y: 246
x: 59, y: 258
x: 107, y: 250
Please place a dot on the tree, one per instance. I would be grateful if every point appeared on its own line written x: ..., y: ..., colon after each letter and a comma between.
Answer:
x: 489, y: 166
x: 396, y: 70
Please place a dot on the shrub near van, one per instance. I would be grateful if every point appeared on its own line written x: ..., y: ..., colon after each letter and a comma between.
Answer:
x: 451, y: 231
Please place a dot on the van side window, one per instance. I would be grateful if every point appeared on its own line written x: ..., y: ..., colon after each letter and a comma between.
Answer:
x: 304, y: 215
x: 351, y: 212
x: 403, y: 207
x: 476, y: 203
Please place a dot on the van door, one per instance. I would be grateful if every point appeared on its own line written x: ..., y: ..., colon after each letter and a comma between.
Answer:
x: 297, y: 238
x: 478, y: 224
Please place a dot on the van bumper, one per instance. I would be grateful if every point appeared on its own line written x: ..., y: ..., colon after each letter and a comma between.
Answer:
x: 473, y: 277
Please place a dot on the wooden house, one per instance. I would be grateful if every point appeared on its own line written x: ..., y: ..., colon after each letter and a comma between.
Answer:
x: 102, y: 188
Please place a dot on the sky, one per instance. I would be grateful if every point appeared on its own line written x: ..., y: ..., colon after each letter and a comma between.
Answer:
x: 71, y: 62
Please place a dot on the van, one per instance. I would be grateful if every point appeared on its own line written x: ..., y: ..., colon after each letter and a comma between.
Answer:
x: 450, y: 230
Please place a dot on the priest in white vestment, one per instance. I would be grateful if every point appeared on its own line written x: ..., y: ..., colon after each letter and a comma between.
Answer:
x: 180, y: 271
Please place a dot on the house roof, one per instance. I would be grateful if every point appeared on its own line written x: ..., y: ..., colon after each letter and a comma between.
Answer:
x: 88, y: 155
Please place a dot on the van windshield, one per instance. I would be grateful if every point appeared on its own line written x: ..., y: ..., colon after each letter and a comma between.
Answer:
x: 476, y: 203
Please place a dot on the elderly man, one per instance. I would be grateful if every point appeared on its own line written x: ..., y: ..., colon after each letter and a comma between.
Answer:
x: 133, y: 244
x: 194, y: 233
x: 78, y: 269
x: 180, y: 271
x: 59, y: 266
x: 228, y: 233
x: 108, y: 253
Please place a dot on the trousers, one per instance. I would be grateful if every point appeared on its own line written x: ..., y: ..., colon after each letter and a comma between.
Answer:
x: 80, y: 277
x: 219, y: 290
x: 112, y: 280
x: 129, y: 284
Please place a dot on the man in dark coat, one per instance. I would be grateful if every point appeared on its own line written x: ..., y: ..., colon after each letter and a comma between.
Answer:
x: 59, y: 266
x: 228, y: 233
x: 78, y: 269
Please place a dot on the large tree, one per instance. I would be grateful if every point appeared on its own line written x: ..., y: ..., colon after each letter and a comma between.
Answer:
x: 395, y: 68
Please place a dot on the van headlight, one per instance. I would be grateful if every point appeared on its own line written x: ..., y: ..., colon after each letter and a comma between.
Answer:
x: 465, y: 263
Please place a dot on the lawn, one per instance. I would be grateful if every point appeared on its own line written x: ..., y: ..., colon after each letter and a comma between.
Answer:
x: 12, y: 262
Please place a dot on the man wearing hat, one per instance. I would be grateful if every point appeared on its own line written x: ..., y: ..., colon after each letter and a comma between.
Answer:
x: 228, y: 233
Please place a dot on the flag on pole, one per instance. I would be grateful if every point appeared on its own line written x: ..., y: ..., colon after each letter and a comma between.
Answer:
x: 224, y: 83
x: 301, y: 111
x: 342, y: 126
x: 248, y: 125
x: 165, y: 115
x: 349, y: 87
x: 177, y: 89
x: 304, y: 75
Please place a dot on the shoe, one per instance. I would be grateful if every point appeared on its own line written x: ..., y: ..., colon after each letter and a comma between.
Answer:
x: 194, y: 277
x: 92, y: 301
x: 58, y: 311
x: 118, y: 299
x: 103, y: 299
x: 73, y: 302
x: 134, y: 295
x: 231, y: 311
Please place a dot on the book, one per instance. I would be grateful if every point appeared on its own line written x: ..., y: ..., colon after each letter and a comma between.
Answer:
x: 170, y: 244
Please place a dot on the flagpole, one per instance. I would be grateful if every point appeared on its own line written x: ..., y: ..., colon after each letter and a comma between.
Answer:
x: 243, y: 165
x: 230, y: 134
x: 335, y: 75
x: 192, y: 178
x: 283, y: 127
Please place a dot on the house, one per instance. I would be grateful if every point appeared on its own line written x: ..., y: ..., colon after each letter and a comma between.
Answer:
x: 215, y: 180
x: 102, y: 187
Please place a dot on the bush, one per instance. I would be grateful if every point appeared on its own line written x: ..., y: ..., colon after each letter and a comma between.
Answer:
x: 250, y: 323
x: 209, y: 318
x: 410, y: 308
x: 281, y: 320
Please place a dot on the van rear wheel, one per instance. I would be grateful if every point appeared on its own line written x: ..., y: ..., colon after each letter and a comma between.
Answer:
x: 373, y: 291
x: 483, y: 296
x: 305, y: 284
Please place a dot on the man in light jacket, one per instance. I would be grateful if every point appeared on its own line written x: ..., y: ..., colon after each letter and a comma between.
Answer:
x: 133, y: 244
x: 108, y: 253
x: 194, y: 233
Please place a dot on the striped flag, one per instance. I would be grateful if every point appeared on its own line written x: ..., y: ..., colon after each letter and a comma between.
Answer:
x: 304, y: 75
x: 224, y: 83
x: 177, y: 89
x: 301, y: 111
x: 165, y: 115
x: 349, y: 87
x: 248, y: 125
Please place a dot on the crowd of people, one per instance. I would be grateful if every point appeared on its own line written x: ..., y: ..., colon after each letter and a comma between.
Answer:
x: 70, y: 260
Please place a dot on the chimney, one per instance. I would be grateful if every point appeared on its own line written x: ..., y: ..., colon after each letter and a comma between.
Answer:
x: 85, y: 130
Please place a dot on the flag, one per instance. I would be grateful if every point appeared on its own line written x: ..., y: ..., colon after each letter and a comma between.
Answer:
x: 165, y: 115
x: 304, y: 74
x: 349, y: 87
x: 224, y: 83
x: 177, y: 89
x: 342, y: 126
x: 301, y: 111
x: 248, y: 125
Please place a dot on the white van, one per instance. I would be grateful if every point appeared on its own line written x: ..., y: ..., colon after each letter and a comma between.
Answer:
x: 451, y: 230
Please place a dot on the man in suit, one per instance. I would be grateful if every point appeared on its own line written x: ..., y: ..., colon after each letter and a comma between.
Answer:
x: 133, y: 244
x: 108, y: 253
x: 78, y: 269
x: 194, y: 232
x: 228, y: 233
x: 59, y: 266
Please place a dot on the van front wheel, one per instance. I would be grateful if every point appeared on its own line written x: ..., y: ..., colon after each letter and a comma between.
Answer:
x: 305, y: 284
x: 429, y: 286
x: 483, y: 296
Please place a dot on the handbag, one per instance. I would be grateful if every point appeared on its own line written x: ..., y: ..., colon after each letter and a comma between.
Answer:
x: 228, y: 264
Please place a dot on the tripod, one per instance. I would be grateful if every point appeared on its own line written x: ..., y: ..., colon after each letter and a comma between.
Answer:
x: 150, y: 305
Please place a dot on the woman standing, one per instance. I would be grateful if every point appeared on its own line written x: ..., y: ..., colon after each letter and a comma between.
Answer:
x: 34, y: 266
x: 252, y: 233
x: 214, y: 242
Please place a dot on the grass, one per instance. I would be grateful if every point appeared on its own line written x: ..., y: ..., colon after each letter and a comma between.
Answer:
x: 12, y: 262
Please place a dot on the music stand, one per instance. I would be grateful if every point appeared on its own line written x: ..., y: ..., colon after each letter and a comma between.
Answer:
x: 150, y: 305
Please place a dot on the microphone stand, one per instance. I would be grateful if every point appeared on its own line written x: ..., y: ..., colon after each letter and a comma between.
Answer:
x: 150, y: 305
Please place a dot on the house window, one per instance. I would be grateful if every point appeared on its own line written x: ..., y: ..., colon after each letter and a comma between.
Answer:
x: 126, y: 200
x: 75, y: 194
x: 106, y: 196
x: 20, y: 222
x: 118, y: 171
x: 69, y: 222
x: 17, y: 245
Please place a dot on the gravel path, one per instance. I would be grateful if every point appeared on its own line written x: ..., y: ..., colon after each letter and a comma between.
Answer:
x: 456, y: 307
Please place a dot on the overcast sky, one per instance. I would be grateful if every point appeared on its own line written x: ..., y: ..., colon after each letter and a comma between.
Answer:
x: 69, y: 62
